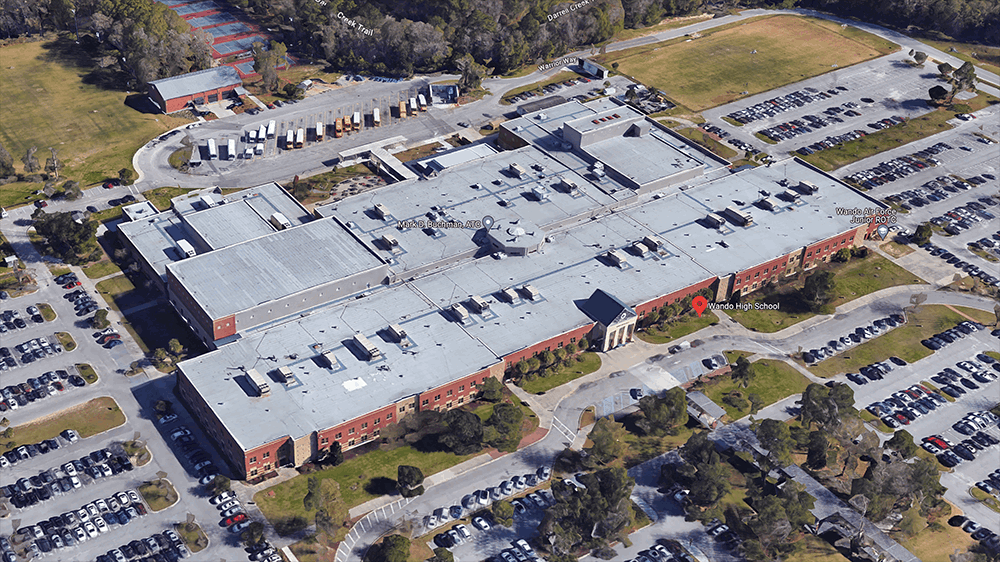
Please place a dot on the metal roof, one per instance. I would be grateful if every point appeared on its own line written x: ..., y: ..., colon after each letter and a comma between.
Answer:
x: 540, y: 104
x: 705, y: 404
x: 238, y: 277
x: 197, y: 82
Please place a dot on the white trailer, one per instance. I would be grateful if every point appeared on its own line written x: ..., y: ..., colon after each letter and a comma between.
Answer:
x: 231, y: 149
x: 356, y: 121
x: 248, y: 153
x: 213, y: 150
x: 259, y: 149
x: 376, y: 121
x: 422, y: 101
x: 270, y: 129
x: 262, y: 133
x: 413, y: 106
x: 252, y: 136
x: 289, y: 140
x: 320, y: 129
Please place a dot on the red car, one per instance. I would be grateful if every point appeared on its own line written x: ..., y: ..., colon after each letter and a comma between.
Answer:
x: 41, y: 204
x: 109, y: 337
x: 238, y: 518
x: 71, y: 284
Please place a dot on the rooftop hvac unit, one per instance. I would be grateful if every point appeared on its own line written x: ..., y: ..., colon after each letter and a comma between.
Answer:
x: 479, y: 304
x: 207, y: 201
x: 742, y: 218
x: 367, y: 347
x: 509, y: 294
x: 540, y: 193
x: 715, y: 221
x: 640, y: 249
x: 806, y: 187
x: 765, y: 204
x: 280, y: 222
x: 518, y: 171
x: 330, y: 359
x: 390, y: 241
x: 284, y: 375
x: 529, y: 291
x: 459, y: 312
x: 789, y: 195
x: 397, y: 332
x: 617, y: 257
x: 568, y: 184
x: 541, y: 116
x: 381, y: 211
x: 258, y: 381
x: 187, y: 250
x: 652, y: 242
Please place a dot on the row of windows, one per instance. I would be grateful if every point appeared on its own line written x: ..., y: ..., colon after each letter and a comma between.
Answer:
x: 266, y: 455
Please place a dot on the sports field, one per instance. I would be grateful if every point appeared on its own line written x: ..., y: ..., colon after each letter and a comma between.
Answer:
x: 53, y: 98
x: 752, y: 57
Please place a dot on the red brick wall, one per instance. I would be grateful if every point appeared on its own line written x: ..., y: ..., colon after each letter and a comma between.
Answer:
x: 365, y: 428
x: 817, y: 252
x: 646, y: 307
x: 760, y: 274
x: 552, y: 344
x: 178, y: 103
x: 462, y: 389
x: 264, y: 458
x: 224, y: 327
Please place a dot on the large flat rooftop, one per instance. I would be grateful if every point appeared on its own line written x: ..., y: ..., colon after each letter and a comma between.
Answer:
x: 238, y: 277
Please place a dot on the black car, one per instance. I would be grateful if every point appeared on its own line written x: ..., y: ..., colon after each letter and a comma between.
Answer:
x: 968, y: 384
x: 897, y: 361
x: 964, y: 452
x: 930, y: 345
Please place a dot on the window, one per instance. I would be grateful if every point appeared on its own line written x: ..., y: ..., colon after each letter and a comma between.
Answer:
x: 364, y: 425
x: 461, y: 400
x: 561, y: 343
x: 324, y: 440
x: 378, y: 421
x: 253, y: 460
x: 809, y: 255
x: 571, y: 340
x: 350, y: 431
x: 739, y: 280
x: 461, y: 388
x: 350, y: 443
x: 364, y: 438
x: 375, y: 433
x: 424, y: 403
x: 449, y: 393
x: 827, y: 248
x: 448, y: 405
x: 389, y: 416
x: 267, y: 466
x: 437, y: 397
x: 253, y: 472
x: 267, y: 455
x: 401, y: 409
x: 756, y: 275
x: 549, y: 348
x: 338, y: 436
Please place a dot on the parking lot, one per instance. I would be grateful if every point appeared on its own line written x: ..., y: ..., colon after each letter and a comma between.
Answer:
x: 880, y: 89
x: 573, y: 86
x: 940, y: 421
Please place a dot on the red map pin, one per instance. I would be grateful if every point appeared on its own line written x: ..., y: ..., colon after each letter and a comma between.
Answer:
x: 699, y: 304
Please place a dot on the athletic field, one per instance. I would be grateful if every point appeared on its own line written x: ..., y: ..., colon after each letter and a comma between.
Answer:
x: 752, y: 57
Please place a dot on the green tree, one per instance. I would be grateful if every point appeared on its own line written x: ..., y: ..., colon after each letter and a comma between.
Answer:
x: 100, y: 320
x: 902, y: 442
x: 922, y: 234
x: 742, y: 372
x: 409, y: 481
x: 939, y: 95
x: 506, y: 421
x: 465, y: 432
x: 175, y: 346
x: 920, y: 57
x: 332, y: 456
x: 472, y: 74
x: 818, y: 290
x: 818, y: 445
x: 756, y: 402
x: 253, y: 534
x: 662, y: 416
x: 503, y: 512
x: 163, y: 406
x: 311, y: 500
x: 6, y: 162
x: 776, y: 438
x: 843, y: 255
x: 394, y: 548
x: 609, y: 440
x: 711, y: 484
x: 126, y: 175
x: 443, y: 555
x: 221, y: 484
x: 945, y: 69
x: 492, y: 389
x: 266, y: 60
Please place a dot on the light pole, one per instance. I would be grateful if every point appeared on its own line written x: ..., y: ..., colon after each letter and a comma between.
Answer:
x: 76, y: 25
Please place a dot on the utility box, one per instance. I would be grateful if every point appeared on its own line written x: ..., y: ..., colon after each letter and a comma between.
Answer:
x: 518, y: 171
x: 397, y: 332
x: 263, y: 389
x: 529, y: 291
x: 617, y: 257
x: 330, y: 359
x: 367, y: 347
x: 459, y: 312
x: 479, y: 304
x: 280, y: 221
x: 187, y: 250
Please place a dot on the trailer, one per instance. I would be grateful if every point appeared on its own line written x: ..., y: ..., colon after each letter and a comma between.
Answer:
x: 402, y: 109
x: 413, y: 106
x: 376, y: 121
x: 338, y: 128
x: 422, y: 101
x: 270, y: 129
x: 289, y: 139
x: 300, y: 138
x: 195, y: 159
x: 356, y: 121
x: 213, y: 151
x: 320, y: 129
x: 231, y: 149
x: 252, y: 136
x: 262, y: 133
x: 259, y: 149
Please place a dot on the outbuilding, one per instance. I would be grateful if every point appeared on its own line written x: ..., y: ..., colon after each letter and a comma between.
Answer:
x: 205, y: 86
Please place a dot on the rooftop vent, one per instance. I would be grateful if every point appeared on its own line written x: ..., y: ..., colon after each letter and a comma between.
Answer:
x: 381, y: 211
x: 258, y: 382
x: 509, y: 294
x: 280, y: 222
x: 617, y: 257
x: 330, y: 359
x: 284, y: 375
x: 765, y: 203
x: 652, y: 242
x: 479, y: 304
x: 789, y: 195
x: 741, y: 218
x: 390, y: 241
x: 806, y: 187
x: 518, y: 170
x: 459, y: 312
x: 187, y: 250
x: 530, y: 292
x: 640, y: 249
x: 397, y: 332
x: 714, y: 221
x: 207, y: 201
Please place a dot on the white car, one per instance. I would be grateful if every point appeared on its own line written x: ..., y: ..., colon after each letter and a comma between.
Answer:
x: 231, y: 511
x: 224, y: 496
x: 180, y: 432
x: 117, y: 555
x: 202, y: 465
x: 75, y: 482
x: 240, y: 527
x: 122, y: 498
x: 81, y: 535
x: 102, y: 506
x: 167, y: 418
x: 91, y: 529
x: 83, y: 515
x: 481, y: 524
x: 69, y: 469
x: 228, y: 505
x: 133, y: 496
x: 463, y: 531
x: 101, y: 525
x: 92, y: 509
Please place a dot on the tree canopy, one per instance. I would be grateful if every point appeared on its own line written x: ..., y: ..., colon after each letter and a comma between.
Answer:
x: 465, y: 432
x: 608, y: 437
x: 663, y: 416
x: 600, y: 512
x: 409, y: 481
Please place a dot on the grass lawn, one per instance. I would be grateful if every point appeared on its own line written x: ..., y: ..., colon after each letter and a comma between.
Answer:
x: 67, y: 341
x: 591, y: 362
x: 733, y: 354
x: 641, y: 448
x: 355, y: 477
x: 193, y: 537
x: 753, y: 56
x: 903, y: 342
x: 138, y: 452
x: 701, y: 137
x: 986, y: 57
x: 100, y: 269
x: 45, y: 309
x: 936, y: 544
x: 53, y: 98
x: 990, y: 501
x: 87, y: 372
x: 158, y: 494
x: 671, y: 23
x: 854, y: 279
x: 879, y: 424
x: 123, y: 294
x: 56, y: 271
x: 896, y: 250
x: 687, y: 324
x: 107, y: 215
x: 88, y: 419
x: 161, y: 196
x: 417, y: 152
x: 880, y: 141
x: 814, y: 549
x: 775, y: 380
